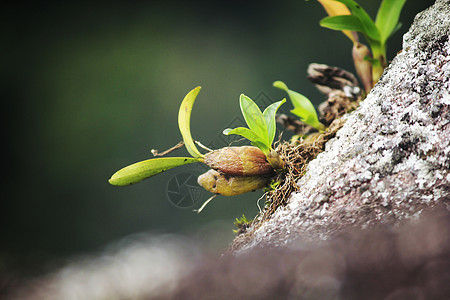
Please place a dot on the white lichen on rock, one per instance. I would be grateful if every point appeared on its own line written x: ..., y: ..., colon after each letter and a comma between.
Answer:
x: 391, y: 160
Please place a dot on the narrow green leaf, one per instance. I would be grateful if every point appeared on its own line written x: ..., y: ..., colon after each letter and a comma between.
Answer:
x: 184, y: 121
x: 148, y: 168
x: 262, y: 146
x: 370, y: 29
x: 303, y: 107
x: 387, y: 17
x: 334, y: 8
x: 251, y: 136
x: 254, y: 118
x: 244, y: 132
x: 347, y: 22
x: 269, y: 115
x: 307, y: 118
x: 298, y: 100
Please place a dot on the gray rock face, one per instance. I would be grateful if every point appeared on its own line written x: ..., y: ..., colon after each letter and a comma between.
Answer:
x: 391, y: 160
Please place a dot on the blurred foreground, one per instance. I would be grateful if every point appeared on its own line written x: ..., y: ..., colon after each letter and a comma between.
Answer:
x: 410, y: 262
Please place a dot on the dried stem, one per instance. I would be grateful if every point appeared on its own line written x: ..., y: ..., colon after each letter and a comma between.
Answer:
x: 177, y: 146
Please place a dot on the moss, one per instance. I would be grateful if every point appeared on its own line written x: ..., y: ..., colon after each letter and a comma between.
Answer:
x: 242, y: 224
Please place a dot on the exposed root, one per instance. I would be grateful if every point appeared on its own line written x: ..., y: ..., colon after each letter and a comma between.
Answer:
x: 204, y: 204
x: 294, y: 124
x: 296, y: 157
x: 337, y: 105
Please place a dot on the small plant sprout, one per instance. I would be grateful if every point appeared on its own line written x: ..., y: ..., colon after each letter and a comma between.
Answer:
x: 349, y: 17
x: 262, y: 128
x: 238, y: 170
x: 242, y: 224
x: 303, y: 108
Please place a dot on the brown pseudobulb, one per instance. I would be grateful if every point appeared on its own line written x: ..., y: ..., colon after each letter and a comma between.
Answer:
x: 241, y: 161
x: 227, y: 185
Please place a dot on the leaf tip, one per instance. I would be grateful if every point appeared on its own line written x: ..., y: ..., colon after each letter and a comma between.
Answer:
x: 280, y: 84
x: 226, y: 131
x: 115, y: 181
x: 244, y: 96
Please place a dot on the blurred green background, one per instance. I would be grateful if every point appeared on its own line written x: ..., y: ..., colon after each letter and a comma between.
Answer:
x: 91, y: 87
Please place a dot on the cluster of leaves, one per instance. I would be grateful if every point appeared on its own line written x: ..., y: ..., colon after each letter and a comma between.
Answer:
x: 262, y: 127
x: 349, y: 17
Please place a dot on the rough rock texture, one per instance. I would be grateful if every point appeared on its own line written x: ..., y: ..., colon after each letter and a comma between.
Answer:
x: 391, y: 160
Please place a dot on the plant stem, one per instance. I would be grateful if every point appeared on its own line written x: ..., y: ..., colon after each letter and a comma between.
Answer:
x: 363, y: 66
x: 379, y: 62
x: 275, y: 160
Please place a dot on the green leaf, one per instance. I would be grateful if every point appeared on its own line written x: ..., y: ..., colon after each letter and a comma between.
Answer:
x: 262, y: 126
x: 370, y: 29
x: 269, y: 115
x: 347, y: 22
x: 242, y: 131
x: 387, y: 17
x: 307, y: 118
x: 302, y: 106
x: 262, y: 146
x: 334, y: 8
x: 253, y: 117
x: 184, y: 119
x: 148, y: 168
x: 298, y: 100
x: 251, y: 136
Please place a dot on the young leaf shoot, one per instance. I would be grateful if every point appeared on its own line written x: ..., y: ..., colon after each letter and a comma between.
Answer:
x: 262, y: 128
x: 303, y: 107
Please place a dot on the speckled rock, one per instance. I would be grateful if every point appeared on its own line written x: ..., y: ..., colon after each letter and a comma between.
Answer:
x: 391, y: 160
